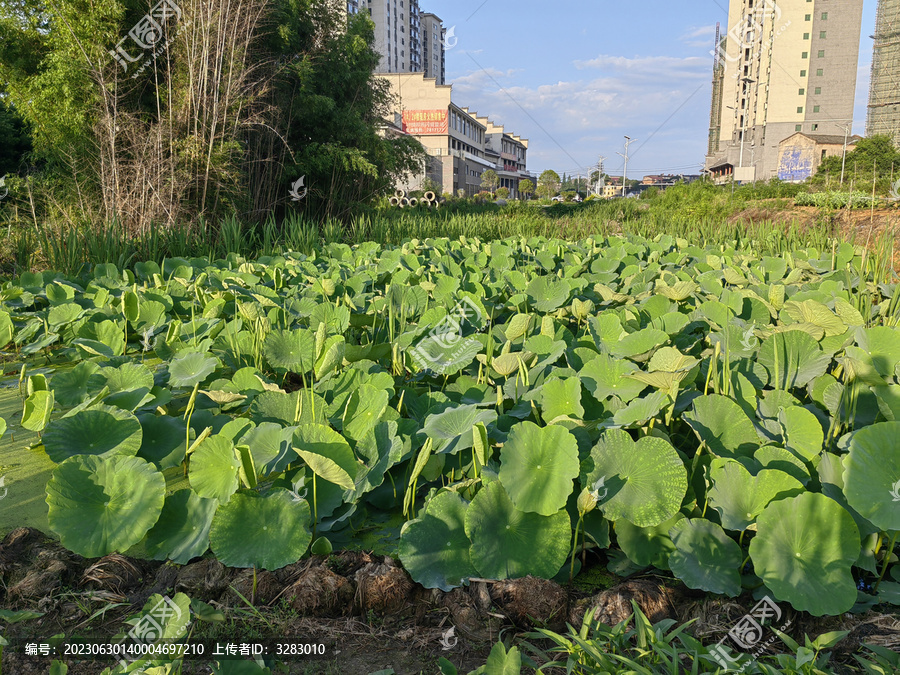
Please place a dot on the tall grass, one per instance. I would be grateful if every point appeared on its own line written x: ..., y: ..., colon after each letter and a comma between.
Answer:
x: 701, y: 216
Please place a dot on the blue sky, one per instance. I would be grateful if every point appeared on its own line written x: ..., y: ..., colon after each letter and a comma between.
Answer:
x: 575, y: 77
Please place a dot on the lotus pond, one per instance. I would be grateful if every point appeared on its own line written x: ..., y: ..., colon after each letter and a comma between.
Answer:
x: 489, y: 410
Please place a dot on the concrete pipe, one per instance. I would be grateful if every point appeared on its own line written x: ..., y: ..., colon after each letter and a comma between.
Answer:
x: 430, y: 196
x: 413, y: 202
x: 400, y: 194
x: 404, y: 203
x: 394, y: 201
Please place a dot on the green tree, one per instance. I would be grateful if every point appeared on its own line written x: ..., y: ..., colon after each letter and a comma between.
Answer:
x: 15, y: 139
x: 548, y: 184
x: 526, y: 187
x: 875, y: 156
x: 503, y: 193
x: 490, y: 180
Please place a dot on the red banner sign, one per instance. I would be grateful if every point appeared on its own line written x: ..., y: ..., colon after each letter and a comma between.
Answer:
x: 426, y: 122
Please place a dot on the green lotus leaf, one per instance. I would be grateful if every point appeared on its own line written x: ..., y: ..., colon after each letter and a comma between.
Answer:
x: 638, y: 343
x: 266, y: 532
x: 872, y: 474
x: 434, y: 353
x: 803, y: 432
x: 71, y: 387
x: 434, y: 548
x: 164, y: 441
x: 299, y: 407
x: 126, y: 377
x: 646, y: 546
x: 451, y: 429
x: 882, y: 343
x: 651, y: 477
x: 773, y: 457
x: 793, y: 359
x: 38, y: 407
x: 508, y: 543
x: 214, y: 468
x: 705, y: 557
x: 639, y: 411
x: 61, y: 315
x: 364, y: 409
x: 740, y: 498
x: 270, y: 445
x: 723, y: 426
x: 547, y: 294
x: 2, y: 427
x: 561, y: 397
x: 831, y: 477
x: 331, y: 356
x: 292, y: 350
x: 803, y: 551
x: 537, y: 467
x: 604, y: 376
x: 6, y: 329
x: 182, y: 531
x: 191, y: 368
x: 327, y: 454
x: 100, y: 505
x: 98, y: 430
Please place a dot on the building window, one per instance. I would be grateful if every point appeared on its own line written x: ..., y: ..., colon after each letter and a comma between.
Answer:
x: 808, y: 17
x: 805, y: 55
x: 799, y: 108
x: 802, y: 92
x: 815, y: 127
x: 799, y: 127
x: 818, y: 90
x: 822, y: 35
x: 802, y: 73
x: 820, y: 72
x: 816, y: 108
x: 806, y: 36
x: 824, y: 16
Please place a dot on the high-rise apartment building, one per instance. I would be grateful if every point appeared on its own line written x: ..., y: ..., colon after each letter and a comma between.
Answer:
x: 784, y: 66
x: 405, y: 37
x: 433, y: 44
x: 884, y: 96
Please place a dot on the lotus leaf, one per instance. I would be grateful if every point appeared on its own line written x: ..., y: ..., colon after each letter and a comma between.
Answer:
x: 292, y: 350
x: 652, y: 477
x: 266, y: 532
x: 647, y: 546
x: 364, y: 410
x: 605, y: 376
x: 639, y: 343
x: 451, y: 429
x: 803, y: 551
x: 190, y: 368
x: 705, y: 557
x: 508, y: 543
x: 793, y: 359
x: 803, y: 433
x: 723, y: 426
x: 182, y: 531
x: 872, y: 474
x: 434, y: 548
x: 214, y: 468
x: 538, y: 466
x: 100, y: 505
x: 98, y: 430
x: 164, y: 440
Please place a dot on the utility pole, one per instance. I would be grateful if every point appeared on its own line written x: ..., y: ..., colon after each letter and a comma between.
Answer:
x: 599, y: 175
x: 628, y: 141
x: 847, y: 128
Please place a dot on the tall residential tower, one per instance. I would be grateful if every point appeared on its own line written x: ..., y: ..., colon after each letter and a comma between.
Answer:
x: 405, y: 38
x: 785, y: 66
x: 884, y: 96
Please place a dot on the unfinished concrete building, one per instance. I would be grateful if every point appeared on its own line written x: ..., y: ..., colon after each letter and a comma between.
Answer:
x: 884, y: 96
